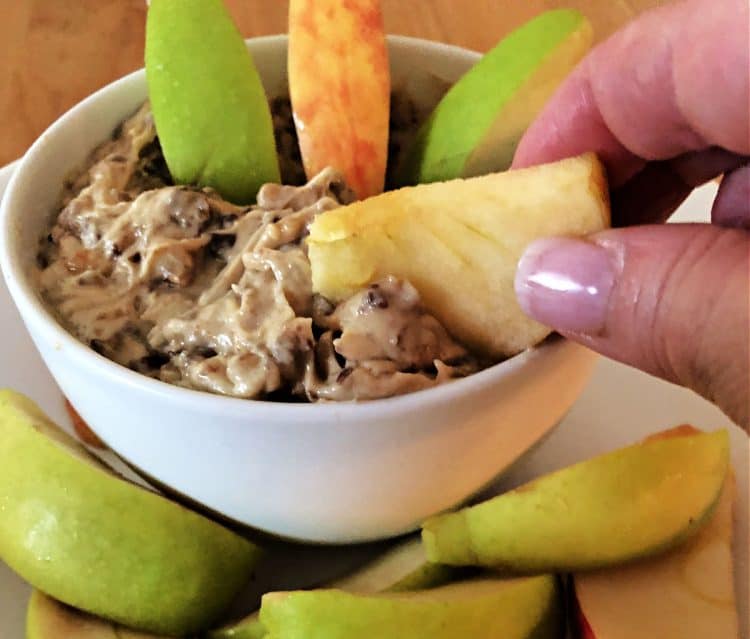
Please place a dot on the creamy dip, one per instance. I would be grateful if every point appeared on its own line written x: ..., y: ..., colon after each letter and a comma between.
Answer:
x: 176, y: 283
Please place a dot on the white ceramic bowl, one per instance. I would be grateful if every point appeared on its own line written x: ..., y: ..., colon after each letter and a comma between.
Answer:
x: 331, y: 473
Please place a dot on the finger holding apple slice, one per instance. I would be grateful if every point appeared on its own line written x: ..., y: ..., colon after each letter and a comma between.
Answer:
x: 459, y: 243
x: 339, y: 82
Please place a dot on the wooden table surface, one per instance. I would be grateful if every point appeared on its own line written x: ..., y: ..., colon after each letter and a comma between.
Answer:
x: 55, y: 52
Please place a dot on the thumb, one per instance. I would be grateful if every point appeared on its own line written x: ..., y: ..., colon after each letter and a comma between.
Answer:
x: 672, y: 300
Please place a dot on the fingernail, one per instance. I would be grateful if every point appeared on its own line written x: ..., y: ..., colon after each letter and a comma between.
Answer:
x: 566, y: 284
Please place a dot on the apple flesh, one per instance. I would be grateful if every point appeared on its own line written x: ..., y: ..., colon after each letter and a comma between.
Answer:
x: 633, y: 503
x: 49, y: 619
x: 209, y: 106
x: 685, y: 594
x: 459, y: 244
x: 481, y: 608
x: 477, y: 125
x: 92, y: 540
x: 339, y: 83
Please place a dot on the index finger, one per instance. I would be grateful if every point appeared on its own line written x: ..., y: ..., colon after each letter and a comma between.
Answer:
x: 674, y: 81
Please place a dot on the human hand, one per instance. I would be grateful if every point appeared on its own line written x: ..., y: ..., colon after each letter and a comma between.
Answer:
x: 666, y: 104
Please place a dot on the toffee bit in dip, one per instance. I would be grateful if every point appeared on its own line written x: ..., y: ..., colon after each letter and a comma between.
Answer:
x: 374, y: 299
x: 181, y: 285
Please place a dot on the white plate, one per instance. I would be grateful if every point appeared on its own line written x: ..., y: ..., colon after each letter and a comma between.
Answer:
x: 620, y: 406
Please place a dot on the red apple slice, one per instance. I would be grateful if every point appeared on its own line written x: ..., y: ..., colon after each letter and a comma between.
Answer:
x: 339, y: 82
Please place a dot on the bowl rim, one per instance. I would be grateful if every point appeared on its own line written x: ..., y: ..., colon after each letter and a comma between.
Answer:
x: 36, y: 313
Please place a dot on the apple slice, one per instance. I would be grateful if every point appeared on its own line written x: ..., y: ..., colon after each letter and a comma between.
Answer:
x: 403, y: 567
x: 480, y: 608
x: 49, y: 619
x: 459, y: 244
x: 584, y: 629
x: 90, y: 539
x: 339, y: 82
x: 685, y: 594
x: 248, y: 628
x: 210, y: 109
x: 82, y: 429
x: 477, y: 125
x: 633, y: 503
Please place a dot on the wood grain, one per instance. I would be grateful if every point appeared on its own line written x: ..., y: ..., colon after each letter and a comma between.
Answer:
x: 55, y: 52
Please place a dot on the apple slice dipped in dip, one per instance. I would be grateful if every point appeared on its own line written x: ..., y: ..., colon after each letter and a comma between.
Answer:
x: 459, y: 243
x: 340, y: 86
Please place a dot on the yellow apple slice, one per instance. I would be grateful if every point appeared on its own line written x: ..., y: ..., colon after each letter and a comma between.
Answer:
x: 459, y: 244
x: 339, y: 82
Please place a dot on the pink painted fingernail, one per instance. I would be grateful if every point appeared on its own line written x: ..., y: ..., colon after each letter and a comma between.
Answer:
x: 566, y: 284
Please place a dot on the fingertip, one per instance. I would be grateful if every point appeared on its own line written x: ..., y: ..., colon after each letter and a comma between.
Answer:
x: 565, y: 283
x: 732, y: 205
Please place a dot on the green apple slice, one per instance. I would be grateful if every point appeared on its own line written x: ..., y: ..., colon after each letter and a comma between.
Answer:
x: 50, y: 619
x: 636, y: 502
x: 210, y: 109
x: 104, y: 545
x: 248, y: 628
x: 480, y: 608
x: 477, y: 125
x: 402, y: 568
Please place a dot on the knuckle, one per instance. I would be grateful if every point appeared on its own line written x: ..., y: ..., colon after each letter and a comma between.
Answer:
x: 697, y: 331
